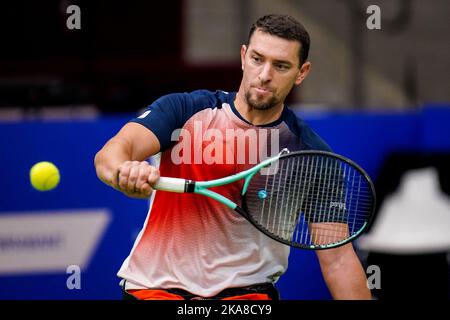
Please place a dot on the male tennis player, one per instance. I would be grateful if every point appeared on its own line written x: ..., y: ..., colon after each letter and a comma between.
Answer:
x: 193, y: 247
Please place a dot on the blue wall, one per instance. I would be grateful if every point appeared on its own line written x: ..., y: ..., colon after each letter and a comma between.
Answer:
x: 71, y: 145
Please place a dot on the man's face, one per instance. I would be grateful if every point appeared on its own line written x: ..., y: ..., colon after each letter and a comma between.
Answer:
x: 271, y: 69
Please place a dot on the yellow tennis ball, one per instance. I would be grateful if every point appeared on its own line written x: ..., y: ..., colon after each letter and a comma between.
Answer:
x: 44, y: 176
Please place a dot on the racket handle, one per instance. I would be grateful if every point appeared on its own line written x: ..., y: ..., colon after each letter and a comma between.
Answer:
x: 170, y: 184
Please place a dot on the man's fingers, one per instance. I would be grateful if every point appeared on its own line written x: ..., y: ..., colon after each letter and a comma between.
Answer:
x: 146, y: 189
x: 135, y: 178
x: 153, y: 176
x: 144, y: 172
x: 124, y: 172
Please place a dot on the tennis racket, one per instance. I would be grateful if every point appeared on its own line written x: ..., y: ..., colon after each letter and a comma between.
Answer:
x: 305, y: 199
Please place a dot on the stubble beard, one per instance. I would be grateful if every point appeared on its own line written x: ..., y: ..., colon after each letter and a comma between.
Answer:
x: 260, y: 105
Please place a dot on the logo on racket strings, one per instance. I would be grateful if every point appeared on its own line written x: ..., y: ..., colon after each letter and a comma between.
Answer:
x: 338, y: 205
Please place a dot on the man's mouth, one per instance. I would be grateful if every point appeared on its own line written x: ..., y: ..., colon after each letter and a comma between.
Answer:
x: 263, y: 90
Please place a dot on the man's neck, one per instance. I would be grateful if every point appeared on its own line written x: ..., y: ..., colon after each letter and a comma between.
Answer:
x: 255, y: 116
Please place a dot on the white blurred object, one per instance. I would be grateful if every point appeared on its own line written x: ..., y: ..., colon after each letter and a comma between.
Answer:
x: 413, y: 220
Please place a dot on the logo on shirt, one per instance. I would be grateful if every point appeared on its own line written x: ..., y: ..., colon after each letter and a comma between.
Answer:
x: 146, y: 113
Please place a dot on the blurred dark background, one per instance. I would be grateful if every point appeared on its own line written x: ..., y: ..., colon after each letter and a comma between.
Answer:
x: 127, y: 54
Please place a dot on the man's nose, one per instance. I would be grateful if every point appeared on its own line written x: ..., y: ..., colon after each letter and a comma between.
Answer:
x: 266, y: 73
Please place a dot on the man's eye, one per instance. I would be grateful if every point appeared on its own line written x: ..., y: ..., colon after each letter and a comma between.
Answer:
x: 256, y: 59
x: 281, y: 67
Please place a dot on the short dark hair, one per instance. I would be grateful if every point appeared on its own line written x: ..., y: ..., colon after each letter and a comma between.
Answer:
x: 286, y: 27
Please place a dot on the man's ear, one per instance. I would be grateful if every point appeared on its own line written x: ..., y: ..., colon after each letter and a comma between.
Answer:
x: 304, y: 70
x: 243, y: 51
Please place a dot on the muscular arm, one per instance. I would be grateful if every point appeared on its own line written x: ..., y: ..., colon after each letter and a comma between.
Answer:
x: 125, y: 155
x: 343, y: 273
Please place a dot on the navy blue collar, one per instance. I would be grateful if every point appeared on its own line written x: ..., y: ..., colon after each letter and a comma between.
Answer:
x: 232, y: 96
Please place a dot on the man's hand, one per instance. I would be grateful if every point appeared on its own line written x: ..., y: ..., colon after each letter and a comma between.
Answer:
x: 135, y: 179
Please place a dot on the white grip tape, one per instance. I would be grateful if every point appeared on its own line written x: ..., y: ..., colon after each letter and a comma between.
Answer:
x: 170, y: 184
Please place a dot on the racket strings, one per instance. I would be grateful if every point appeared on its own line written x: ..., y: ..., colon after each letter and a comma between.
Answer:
x: 315, y: 200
